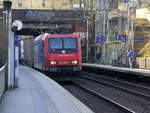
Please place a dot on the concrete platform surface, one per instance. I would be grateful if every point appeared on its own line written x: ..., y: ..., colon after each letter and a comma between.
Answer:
x: 134, y: 71
x: 39, y: 94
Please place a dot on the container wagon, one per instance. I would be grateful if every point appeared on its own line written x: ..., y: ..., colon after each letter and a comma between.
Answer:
x: 28, y: 51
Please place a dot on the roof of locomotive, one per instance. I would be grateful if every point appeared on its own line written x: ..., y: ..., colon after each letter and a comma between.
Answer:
x: 43, y: 36
x: 61, y: 35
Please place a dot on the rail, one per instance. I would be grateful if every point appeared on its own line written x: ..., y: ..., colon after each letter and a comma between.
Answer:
x: 117, y: 105
x: 2, y: 80
x: 134, y: 89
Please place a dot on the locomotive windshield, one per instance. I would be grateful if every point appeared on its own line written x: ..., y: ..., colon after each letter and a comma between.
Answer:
x: 70, y: 43
x: 55, y: 43
x: 59, y: 45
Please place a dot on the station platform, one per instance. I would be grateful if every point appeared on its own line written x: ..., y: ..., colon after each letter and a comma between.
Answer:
x: 37, y: 93
x: 134, y: 71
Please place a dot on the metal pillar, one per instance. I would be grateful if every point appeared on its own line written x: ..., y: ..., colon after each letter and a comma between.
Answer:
x: 11, y: 55
x: 10, y: 43
x: 87, y: 44
x: 31, y: 4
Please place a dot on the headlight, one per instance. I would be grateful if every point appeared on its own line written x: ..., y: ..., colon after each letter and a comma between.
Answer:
x: 74, y: 62
x: 53, y: 62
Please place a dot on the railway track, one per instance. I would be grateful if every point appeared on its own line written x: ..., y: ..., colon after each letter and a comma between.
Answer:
x: 131, y: 88
x: 132, y: 97
x: 109, y: 101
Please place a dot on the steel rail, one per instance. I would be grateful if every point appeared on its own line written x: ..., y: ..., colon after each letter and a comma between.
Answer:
x: 146, y: 96
x: 117, y: 105
x: 119, y: 81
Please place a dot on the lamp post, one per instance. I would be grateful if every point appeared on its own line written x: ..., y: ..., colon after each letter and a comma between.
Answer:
x: 16, y: 26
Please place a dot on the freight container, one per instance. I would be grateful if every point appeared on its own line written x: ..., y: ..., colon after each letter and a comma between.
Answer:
x: 28, y: 51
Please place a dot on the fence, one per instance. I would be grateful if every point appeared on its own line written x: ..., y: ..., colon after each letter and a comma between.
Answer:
x: 143, y: 63
x: 2, y: 80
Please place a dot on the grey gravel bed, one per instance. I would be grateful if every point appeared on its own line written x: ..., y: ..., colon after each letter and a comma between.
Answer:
x: 134, y: 103
x: 94, y: 103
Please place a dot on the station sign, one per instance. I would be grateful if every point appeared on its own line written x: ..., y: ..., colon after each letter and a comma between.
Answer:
x: 124, y: 37
x: 17, y: 40
x: 100, y: 39
x: 139, y: 40
x: 121, y: 37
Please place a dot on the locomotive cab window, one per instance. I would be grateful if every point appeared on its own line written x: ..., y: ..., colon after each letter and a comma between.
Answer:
x: 70, y: 43
x: 56, y: 45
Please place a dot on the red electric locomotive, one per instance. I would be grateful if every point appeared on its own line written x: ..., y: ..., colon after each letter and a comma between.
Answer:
x: 57, y: 53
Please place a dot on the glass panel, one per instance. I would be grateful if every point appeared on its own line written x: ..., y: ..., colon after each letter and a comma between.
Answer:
x: 63, y: 45
x: 55, y: 43
x: 70, y: 43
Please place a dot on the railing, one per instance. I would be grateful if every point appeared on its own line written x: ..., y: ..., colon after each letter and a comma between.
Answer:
x: 2, y: 80
x: 143, y: 63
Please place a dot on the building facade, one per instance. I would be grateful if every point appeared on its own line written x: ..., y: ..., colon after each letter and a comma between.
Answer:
x: 121, y: 28
x: 42, y: 4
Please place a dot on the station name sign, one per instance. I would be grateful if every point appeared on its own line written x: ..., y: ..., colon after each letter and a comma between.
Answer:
x: 124, y: 37
x: 121, y: 37
x: 100, y: 39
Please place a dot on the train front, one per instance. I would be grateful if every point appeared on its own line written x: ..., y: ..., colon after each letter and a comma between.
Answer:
x: 63, y: 53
